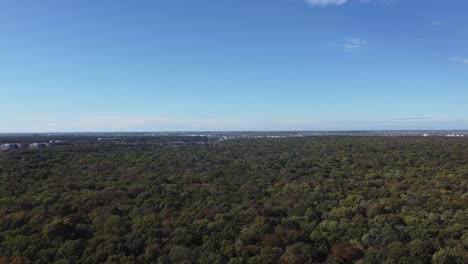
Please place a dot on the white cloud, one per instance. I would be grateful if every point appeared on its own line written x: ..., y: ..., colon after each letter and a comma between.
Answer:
x: 323, y: 3
x: 326, y: 2
x: 354, y: 43
x: 459, y: 60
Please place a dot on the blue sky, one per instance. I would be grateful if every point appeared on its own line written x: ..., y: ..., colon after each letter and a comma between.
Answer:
x: 124, y: 65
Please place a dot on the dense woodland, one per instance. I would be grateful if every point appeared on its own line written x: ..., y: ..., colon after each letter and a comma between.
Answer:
x: 294, y: 200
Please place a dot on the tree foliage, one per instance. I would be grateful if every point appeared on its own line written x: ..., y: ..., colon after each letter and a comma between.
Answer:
x: 293, y: 200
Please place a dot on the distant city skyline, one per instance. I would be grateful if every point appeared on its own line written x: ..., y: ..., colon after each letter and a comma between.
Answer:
x: 199, y: 65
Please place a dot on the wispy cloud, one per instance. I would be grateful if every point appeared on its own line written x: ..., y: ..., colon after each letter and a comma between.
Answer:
x: 388, y: 2
x: 414, y: 118
x: 354, y: 43
x: 461, y: 60
x: 112, y: 123
x: 326, y: 2
x: 347, y: 43
x: 436, y: 23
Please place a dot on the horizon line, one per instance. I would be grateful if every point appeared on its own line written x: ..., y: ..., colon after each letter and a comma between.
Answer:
x: 235, y: 131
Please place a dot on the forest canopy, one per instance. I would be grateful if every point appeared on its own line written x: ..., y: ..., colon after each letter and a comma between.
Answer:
x: 293, y: 200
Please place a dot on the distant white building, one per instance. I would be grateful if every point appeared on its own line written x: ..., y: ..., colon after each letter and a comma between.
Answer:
x: 60, y: 141
x: 38, y: 145
x: 10, y: 146
x: 455, y: 135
